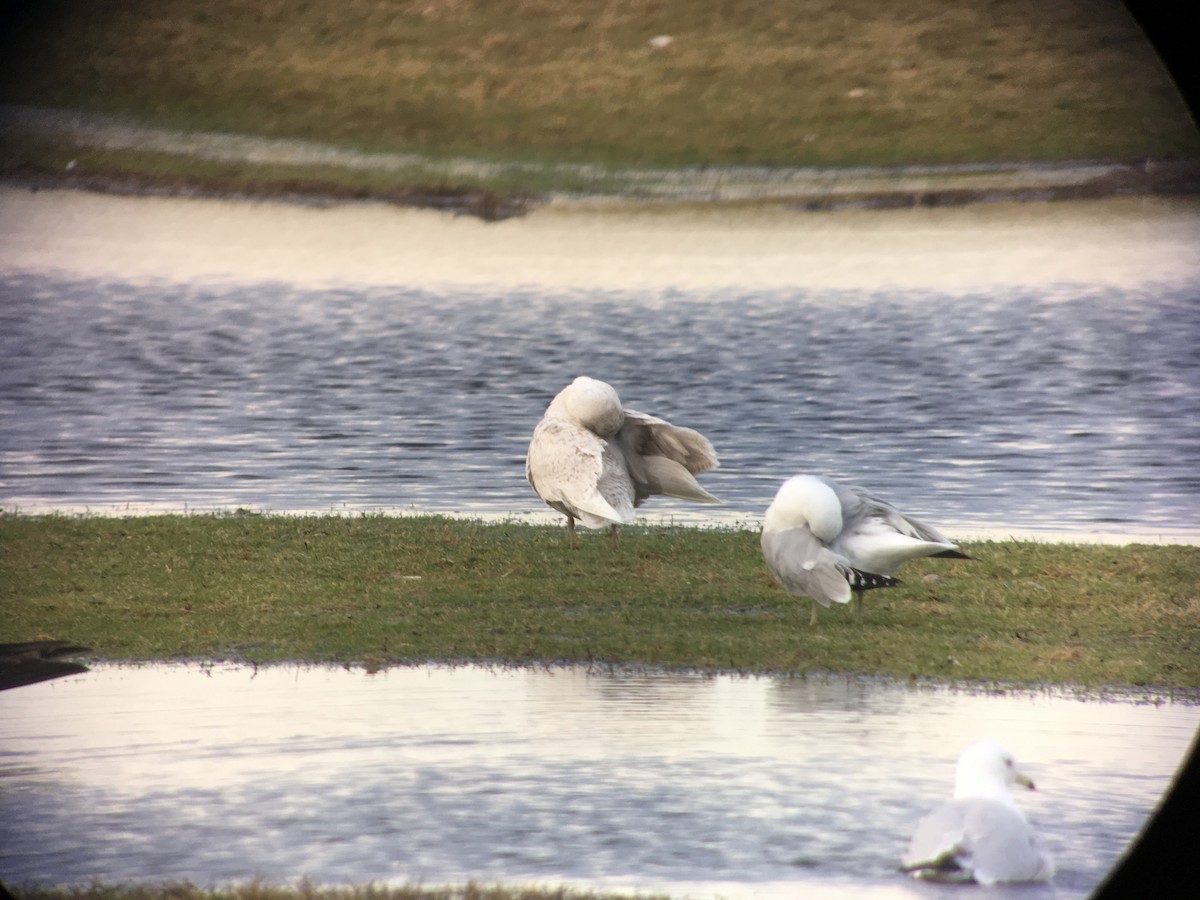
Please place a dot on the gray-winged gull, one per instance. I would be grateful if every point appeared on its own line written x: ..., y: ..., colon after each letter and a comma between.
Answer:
x: 980, y: 835
x: 593, y: 460
x: 824, y: 540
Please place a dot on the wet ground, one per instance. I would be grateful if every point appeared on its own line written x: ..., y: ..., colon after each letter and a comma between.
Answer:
x: 808, y: 189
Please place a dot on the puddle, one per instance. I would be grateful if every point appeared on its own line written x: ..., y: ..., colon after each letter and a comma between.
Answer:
x: 694, y: 785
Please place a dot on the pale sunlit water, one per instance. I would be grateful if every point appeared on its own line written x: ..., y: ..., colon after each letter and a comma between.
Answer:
x: 1008, y: 369
x: 738, y: 786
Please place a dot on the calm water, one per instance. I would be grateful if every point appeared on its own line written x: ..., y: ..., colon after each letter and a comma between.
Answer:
x: 1012, y: 371
x: 743, y: 787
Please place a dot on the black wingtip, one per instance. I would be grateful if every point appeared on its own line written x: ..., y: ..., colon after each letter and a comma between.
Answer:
x: 952, y: 554
x: 869, y: 581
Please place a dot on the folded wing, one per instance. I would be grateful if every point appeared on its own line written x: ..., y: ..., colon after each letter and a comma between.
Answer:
x: 804, y: 567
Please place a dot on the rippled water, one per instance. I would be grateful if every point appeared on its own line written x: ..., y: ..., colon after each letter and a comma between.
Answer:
x: 765, y: 787
x: 1056, y: 394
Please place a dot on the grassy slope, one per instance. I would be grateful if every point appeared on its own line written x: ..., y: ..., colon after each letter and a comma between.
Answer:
x: 795, y: 82
x: 380, y: 590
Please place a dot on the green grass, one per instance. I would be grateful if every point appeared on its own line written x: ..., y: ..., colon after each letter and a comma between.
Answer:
x: 772, y: 82
x: 377, y: 590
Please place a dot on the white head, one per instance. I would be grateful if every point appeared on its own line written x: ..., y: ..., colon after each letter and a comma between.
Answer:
x: 589, y: 403
x: 805, y: 501
x: 987, y: 769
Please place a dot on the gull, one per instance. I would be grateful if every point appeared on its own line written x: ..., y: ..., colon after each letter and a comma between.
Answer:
x: 593, y: 460
x: 824, y: 540
x: 980, y: 835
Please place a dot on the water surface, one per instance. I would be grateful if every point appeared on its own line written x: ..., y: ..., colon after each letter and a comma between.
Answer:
x: 738, y: 786
x: 1010, y: 369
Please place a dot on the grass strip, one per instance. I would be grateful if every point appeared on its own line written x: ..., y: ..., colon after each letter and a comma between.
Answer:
x: 747, y: 82
x: 379, y: 590
x: 494, y: 192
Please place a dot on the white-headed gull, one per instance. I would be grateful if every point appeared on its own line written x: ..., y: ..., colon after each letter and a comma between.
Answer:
x: 593, y: 460
x: 980, y: 835
x: 824, y: 540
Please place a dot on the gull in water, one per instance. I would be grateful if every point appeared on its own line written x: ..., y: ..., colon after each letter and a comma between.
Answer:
x: 824, y: 540
x: 980, y: 835
x: 593, y: 460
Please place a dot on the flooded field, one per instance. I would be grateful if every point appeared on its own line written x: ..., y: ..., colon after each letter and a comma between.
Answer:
x: 700, y: 786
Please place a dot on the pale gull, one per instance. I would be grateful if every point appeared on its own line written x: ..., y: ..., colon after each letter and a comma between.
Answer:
x: 980, y: 835
x: 595, y: 461
x: 824, y: 540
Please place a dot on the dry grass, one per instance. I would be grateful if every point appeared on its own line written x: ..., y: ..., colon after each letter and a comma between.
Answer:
x: 773, y: 82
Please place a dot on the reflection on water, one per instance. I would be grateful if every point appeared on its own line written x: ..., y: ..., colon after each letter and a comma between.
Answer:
x: 696, y: 785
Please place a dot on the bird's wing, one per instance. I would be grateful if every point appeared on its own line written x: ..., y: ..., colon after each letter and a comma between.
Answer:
x: 1002, y: 845
x: 579, y: 474
x: 936, y: 851
x: 986, y: 840
x: 859, y: 504
x: 653, y: 436
x: 877, y: 538
x: 804, y: 567
x: 663, y: 458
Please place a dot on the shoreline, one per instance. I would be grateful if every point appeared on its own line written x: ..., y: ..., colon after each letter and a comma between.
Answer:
x: 460, y: 186
x: 965, y: 532
x: 1129, y: 694
x: 826, y: 191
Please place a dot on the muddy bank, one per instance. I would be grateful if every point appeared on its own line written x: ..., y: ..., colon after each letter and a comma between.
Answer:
x: 257, y: 169
x: 484, y: 204
x: 1143, y: 179
x: 1157, y: 179
x: 1146, y: 178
